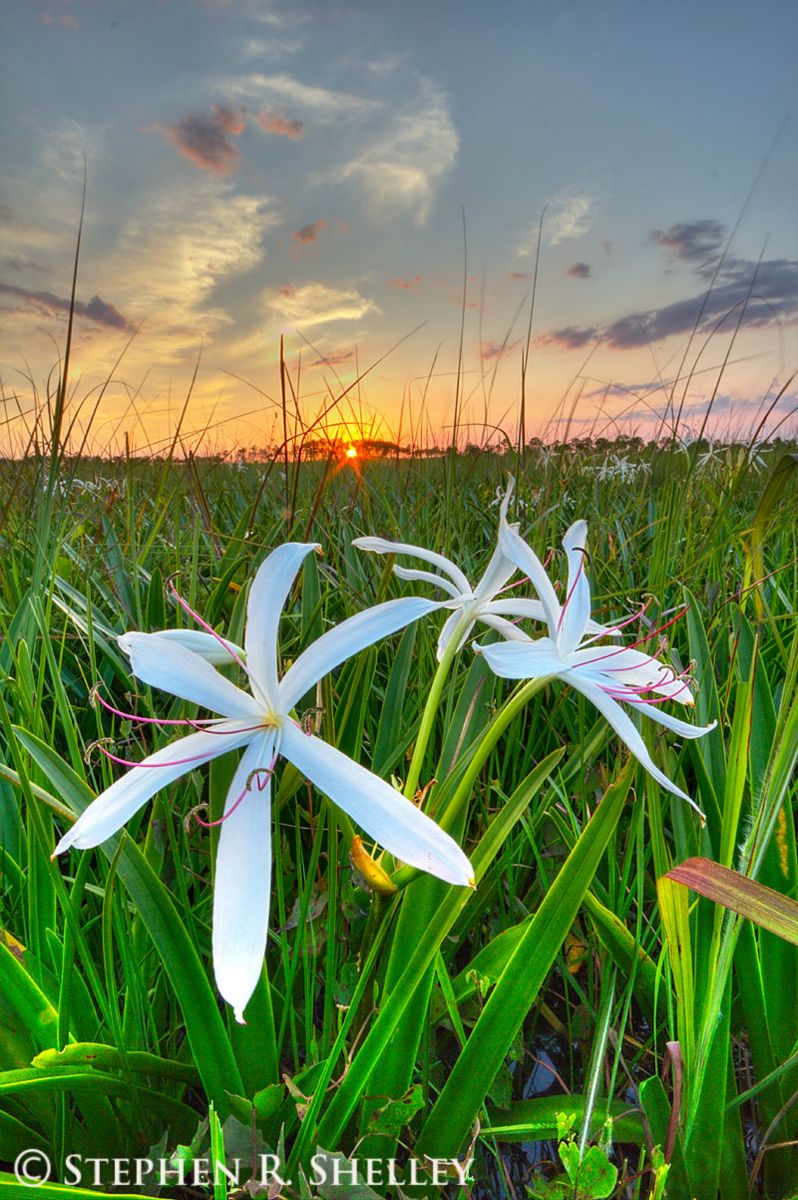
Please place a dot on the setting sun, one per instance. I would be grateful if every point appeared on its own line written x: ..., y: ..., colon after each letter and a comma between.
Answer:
x: 351, y: 452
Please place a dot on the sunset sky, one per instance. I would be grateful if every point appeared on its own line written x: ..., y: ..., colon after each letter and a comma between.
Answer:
x: 257, y: 169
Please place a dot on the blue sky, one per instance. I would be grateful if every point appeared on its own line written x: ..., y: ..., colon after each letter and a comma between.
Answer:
x: 266, y: 169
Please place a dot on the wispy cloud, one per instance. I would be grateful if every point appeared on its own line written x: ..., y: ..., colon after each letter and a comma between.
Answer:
x: 567, y: 215
x: 498, y: 349
x: 206, y: 140
x: 65, y: 20
x: 774, y: 297
x: 402, y: 168
x: 335, y: 358
x: 696, y: 242
x: 580, y: 270
x: 309, y: 234
x: 406, y: 285
x: 280, y: 126
x: 316, y: 304
x: 97, y: 310
x: 321, y: 102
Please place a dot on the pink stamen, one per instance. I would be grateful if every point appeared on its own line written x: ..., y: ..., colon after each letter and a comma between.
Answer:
x: 583, y: 552
x: 636, y: 616
x: 509, y: 586
x: 267, y: 771
x: 94, y: 694
x: 178, y: 762
x: 187, y: 607
x: 646, y: 638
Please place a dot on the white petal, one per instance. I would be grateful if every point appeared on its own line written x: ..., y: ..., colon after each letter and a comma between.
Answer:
x: 345, y: 640
x: 507, y: 629
x: 382, y: 812
x: 267, y: 597
x: 518, y: 606
x: 168, y: 665
x: 437, y: 581
x: 498, y: 571
x: 221, y: 652
x: 117, y: 804
x: 524, y: 557
x: 623, y: 726
x: 523, y: 660
x: 242, y: 880
x: 449, y: 626
x: 618, y: 668
x: 575, y: 612
x: 683, y: 728
x: 380, y: 546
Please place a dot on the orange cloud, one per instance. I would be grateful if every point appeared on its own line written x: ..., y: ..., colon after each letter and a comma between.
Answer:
x: 280, y: 126
x: 205, y: 141
x: 65, y: 20
x: 309, y: 233
x: 407, y: 285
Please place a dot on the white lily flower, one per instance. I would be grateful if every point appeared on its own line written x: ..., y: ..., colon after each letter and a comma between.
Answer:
x: 470, y: 604
x: 606, y: 674
x: 261, y: 722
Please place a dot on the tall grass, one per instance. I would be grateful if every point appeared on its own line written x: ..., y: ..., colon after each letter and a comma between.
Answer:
x: 576, y: 979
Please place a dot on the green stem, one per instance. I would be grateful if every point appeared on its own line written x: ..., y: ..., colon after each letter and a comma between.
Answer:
x: 510, y: 709
x: 431, y: 708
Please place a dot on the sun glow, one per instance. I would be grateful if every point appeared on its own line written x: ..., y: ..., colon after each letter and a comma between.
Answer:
x: 351, y: 452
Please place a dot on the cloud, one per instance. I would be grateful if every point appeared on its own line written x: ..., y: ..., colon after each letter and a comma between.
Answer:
x: 309, y: 234
x: 280, y: 126
x: 579, y: 270
x: 401, y: 169
x: 316, y: 304
x: 97, y: 310
x: 323, y: 103
x: 17, y: 263
x: 407, y: 285
x: 567, y: 215
x: 498, y: 349
x: 693, y: 241
x: 168, y: 260
x: 774, y: 297
x: 518, y: 275
x: 336, y: 358
x: 205, y: 140
x: 65, y: 20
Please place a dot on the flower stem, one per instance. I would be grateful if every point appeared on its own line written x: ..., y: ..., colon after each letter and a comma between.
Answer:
x: 448, y: 815
x: 431, y: 709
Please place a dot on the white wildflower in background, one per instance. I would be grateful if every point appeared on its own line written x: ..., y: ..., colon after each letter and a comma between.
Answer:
x: 469, y: 604
x: 607, y: 675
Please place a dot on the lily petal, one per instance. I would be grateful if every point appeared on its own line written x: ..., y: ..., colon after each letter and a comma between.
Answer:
x: 267, y: 597
x: 438, y: 581
x: 112, y: 808
x: 347, y: 639
x: 242, y: 881
x: 522, y: 606
x: 683, y: 728
x: 523, y: 660
x: 575, y: 612
x: 507, y: 629
x: 218, y: 651
x: 498, y: 571
x: 381, y: 546
x: 624, y: 727
x: 381, y: 811
x: 528, y: 563
x: 449, y: 626
x: 168, y: 665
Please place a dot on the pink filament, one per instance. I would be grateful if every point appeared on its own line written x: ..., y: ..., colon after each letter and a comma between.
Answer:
x: 95, y: 695
x: 178, y: 762
x: 185, y: 605
x: 267, y: 771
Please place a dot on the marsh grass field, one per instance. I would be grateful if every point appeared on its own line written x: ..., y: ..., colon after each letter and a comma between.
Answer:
x: 579, y: 1025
